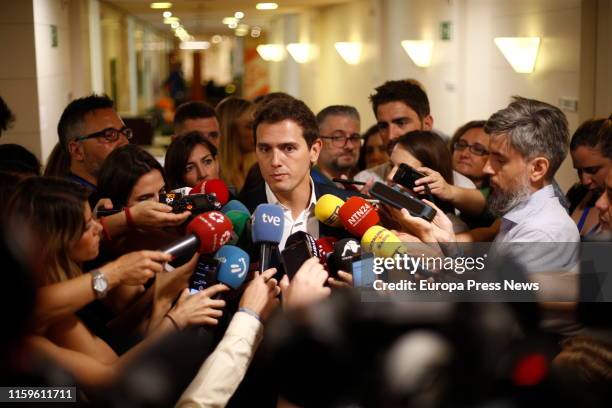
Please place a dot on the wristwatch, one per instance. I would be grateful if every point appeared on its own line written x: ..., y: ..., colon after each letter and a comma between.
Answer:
x: 99, y: 283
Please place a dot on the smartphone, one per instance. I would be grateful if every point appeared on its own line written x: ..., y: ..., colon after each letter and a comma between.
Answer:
x: 402, y: 199
x: 204, y: 274
x: 346, y: 181
x: 406, y: 176
x: 362, y: 268
x: 294, y: 256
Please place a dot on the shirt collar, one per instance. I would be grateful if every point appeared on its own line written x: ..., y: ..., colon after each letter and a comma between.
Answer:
x: 272, y: 199
x: 532, y: 204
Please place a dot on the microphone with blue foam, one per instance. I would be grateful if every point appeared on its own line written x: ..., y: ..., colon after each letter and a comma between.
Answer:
x: 267, y: 223
x: 229, y: 265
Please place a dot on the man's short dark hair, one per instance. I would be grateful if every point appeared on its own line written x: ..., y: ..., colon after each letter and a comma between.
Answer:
x: 337, y: 110
x: 277, y: 110
x: 408, y: 91
x: 73, y: 117
x: 16, y: 159
x: 193, y: 110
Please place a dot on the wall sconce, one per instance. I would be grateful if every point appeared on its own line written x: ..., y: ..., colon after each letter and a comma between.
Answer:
x: 301, y: 52
x: 271, y: 52
x: 349, y: 51
x: 520, y: 52
x: 419, y: 51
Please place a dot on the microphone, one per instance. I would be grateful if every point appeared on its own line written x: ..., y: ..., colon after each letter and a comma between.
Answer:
x: 267, y: 230
x: 214, y: 186
x: 326, y: 210
x: 344, y: 252
x: 309, y: 241
x: 234, y: 205
x: 381, y: 242
x: 357, y: 215
x: 233, y: 266
x: 240, y: 221
x: 325, y: 245
x: 206, y: 233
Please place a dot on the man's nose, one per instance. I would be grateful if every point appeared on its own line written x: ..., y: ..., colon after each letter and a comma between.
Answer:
x: 488, y: 169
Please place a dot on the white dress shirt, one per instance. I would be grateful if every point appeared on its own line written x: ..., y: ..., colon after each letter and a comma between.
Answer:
x: 305, y: 221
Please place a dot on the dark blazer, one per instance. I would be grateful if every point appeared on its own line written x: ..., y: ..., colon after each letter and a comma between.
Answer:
x: 257, y: 196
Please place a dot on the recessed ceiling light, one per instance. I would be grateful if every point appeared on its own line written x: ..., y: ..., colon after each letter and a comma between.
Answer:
x: 161, y: 5
x: 229, y: 20
x: 239, y: 14
x: 266, y: 6
x: 170, y: 20
x: 216, y: 39
x: 232, y: 25
x: 167, y: 14
x: 175, y: 24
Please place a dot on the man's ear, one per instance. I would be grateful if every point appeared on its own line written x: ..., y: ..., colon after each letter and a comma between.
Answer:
x: 538, y: 169
x: 75, y: 149
x: 315, y: 150
x: 427, y: 122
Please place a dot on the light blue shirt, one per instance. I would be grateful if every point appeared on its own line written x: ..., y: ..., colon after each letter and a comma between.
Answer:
x: 545, y: 225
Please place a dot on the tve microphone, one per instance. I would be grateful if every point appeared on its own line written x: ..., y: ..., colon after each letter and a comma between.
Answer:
x: 233, y: 266
x: 214, y: 186
x: 326, y: 210
x: 381, y: 242
x: 206, y: 233
x: 344, y: 251
x: 357, y: 215
x: 267, y: 230
x: 235, y: 205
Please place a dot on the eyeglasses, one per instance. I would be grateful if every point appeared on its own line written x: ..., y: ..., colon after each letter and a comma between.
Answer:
x: 476, y: 148
x: 109, y: 135
x: 341, y: 141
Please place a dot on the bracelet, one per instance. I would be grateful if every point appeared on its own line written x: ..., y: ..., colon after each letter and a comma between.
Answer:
x: 174, y: 323
x: 105, y: 230
x: 128, y: 217
x: 249, y: 312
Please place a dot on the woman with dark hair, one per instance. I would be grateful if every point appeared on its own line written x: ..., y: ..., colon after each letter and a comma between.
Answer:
x: 56, y: 214
x: 592, y: 167
x: 373, y: 151
x: 130, y: 175
x: 469, y: 147
x: 189, y: 160
x: 424, y: 149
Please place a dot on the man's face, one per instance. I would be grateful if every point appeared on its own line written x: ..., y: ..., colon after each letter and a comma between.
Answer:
x: 209, y: 127
x: 592, y: 167
x: 509, y: 176
x: 92, y: 152
x: 396, y: 118
x: 283, y: 155
x: 603, y: 204
x: 333, y: 156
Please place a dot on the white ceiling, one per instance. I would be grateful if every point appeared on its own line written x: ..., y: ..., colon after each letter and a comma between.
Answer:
x: 203, y: 17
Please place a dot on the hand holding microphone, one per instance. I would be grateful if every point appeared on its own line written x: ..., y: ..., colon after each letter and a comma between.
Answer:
x: 267, y: 230
x: 260, y: 295
x: 135, y: 268
x: 306, y: 287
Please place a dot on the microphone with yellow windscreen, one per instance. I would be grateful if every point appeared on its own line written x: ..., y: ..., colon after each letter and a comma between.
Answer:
x: 381, y: 242
x: 326, y: 210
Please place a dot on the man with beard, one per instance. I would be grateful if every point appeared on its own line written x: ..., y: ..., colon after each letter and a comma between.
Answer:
x: 339, y: 128
x: 529, y: 141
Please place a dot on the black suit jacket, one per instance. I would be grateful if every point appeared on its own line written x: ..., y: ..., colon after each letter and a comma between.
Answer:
x: 257, y: 196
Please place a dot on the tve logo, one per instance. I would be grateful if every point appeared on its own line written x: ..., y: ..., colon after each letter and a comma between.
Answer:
x: 271, y: 219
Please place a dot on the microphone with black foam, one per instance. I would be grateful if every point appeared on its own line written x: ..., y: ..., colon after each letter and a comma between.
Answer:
x: 206, y: 233
x: 357, y: 215
x: 213, y: 186
x: 267, y: 227
x: 344, y: 253
x: 326, y: 210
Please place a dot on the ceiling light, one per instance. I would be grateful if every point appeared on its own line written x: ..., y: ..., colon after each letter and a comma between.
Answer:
x: 194, y: 45
x: 266, y: 6
x: 175, y: 24
x: 216, y: 39
x: 301, y: 52
x: 255, y: 32
x: 229, y: 20
x: 167, y: 14
x: 242, y: 30
x: 271, y: 52
x: 349, y: 51
x: 239, y: 15
x: 170, y: 20
x: 419, y: 51
x: 232, y: 25
x: 161, y: 5
x: 520, y: 52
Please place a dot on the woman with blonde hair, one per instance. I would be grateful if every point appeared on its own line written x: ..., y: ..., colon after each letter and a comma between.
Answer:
x: 237, y: 149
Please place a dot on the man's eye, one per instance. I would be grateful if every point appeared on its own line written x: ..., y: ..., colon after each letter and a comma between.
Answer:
x: 289, y: 149
x: 263, y: 149
x: 383, y: 125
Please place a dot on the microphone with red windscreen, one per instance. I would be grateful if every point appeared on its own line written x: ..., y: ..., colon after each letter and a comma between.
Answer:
x: 326, y: 248
x: 357, y: 215
x: 213, y: 186
x: 206, y: 233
